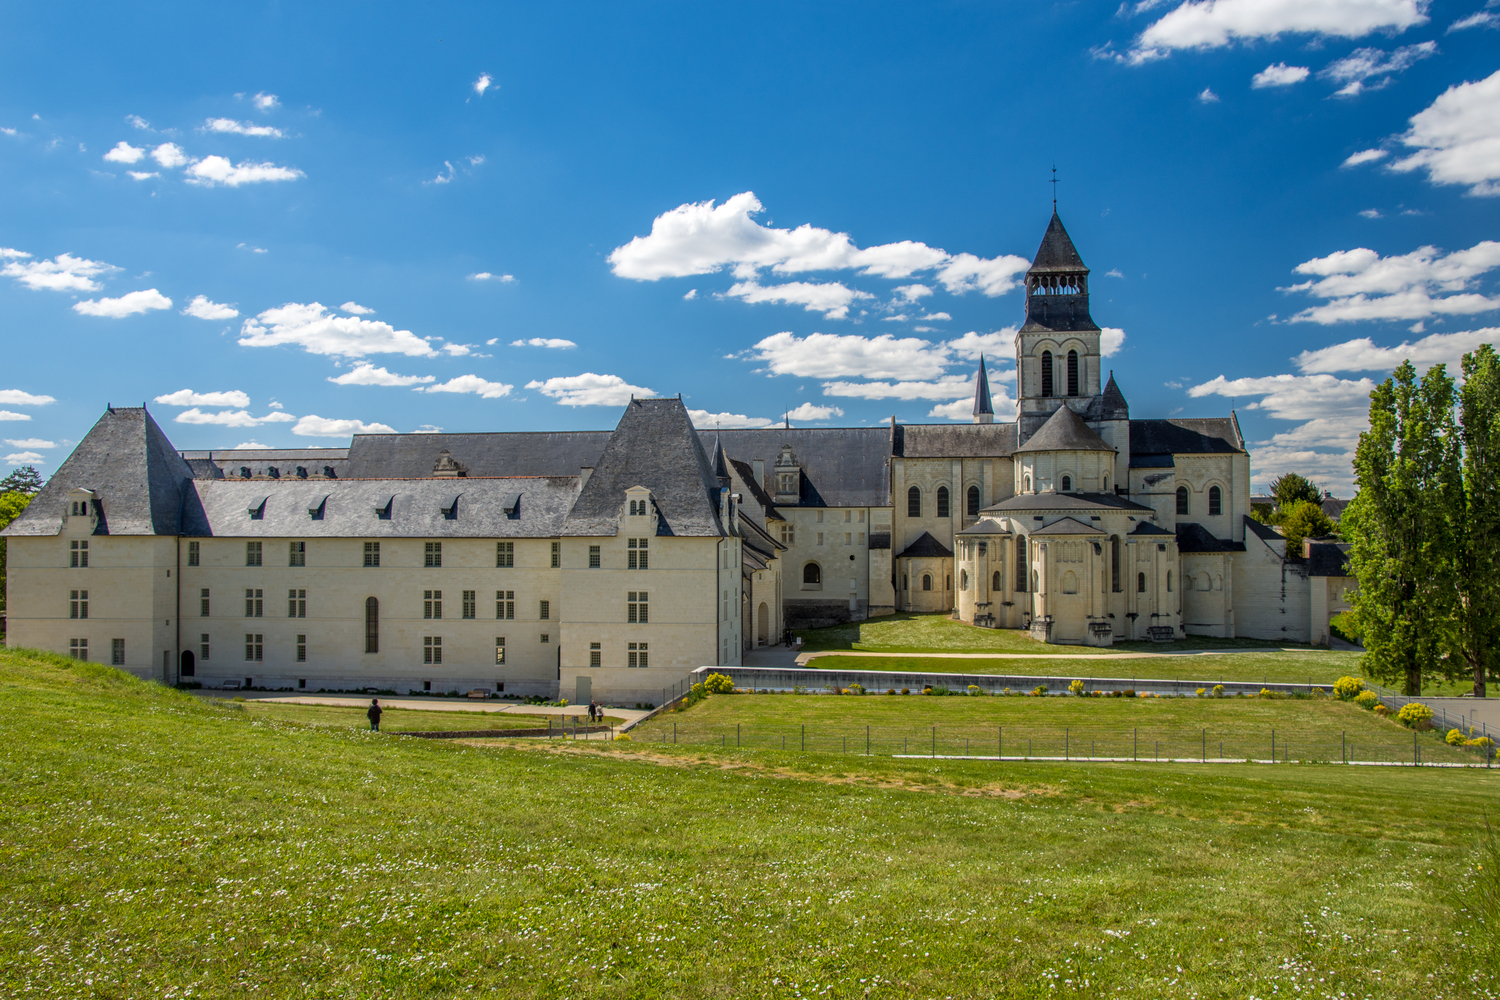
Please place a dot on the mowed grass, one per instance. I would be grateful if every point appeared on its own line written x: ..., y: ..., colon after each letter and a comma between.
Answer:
x: 154, y: 845
x: 1295, y: 666
x: 402, y: 719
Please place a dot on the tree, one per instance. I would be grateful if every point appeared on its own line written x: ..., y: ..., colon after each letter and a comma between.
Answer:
x: 1291, y: 489
x: 23, y: 480
x: 11, y: 505
x: 1304, y: 519
x: 1479, y: 545
x: 1402, y: 530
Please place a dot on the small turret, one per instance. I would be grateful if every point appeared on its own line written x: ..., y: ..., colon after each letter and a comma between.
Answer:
x: 984, y: 408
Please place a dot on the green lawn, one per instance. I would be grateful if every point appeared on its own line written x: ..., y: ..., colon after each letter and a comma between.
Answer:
x: 1290, y: 667
x: 154, y: 845
x: 399, y: 719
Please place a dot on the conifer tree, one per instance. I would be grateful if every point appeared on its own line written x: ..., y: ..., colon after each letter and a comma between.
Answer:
x: 1479, y: 542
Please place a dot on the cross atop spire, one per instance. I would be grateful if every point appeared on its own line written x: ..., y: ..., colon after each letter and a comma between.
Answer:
x: 984, y: 409
x: 1054, y: 189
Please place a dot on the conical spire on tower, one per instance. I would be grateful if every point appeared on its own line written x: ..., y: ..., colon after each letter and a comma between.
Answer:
x: 1057, y: 285
x: 984, y: 409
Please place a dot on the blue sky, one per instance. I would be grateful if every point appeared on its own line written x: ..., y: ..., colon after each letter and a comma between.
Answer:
x: 286, y: 223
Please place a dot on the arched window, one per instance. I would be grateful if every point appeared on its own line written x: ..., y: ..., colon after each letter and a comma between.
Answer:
x: 1114, y: 563
x: 942, y: 501
x: 973, y: 501
x: 1046, y: 373
x: 995, y: 580
x: 963, y: 579
x: 812, y: 573
x: 372, y: 625
x: 1205, y: 582
x: 913, y: 502
x: 948, y: 582
x: 1070, y: 582
x: 1072, y: 373
x: 1140, y: 583
x: 1106, y: 485
x: 905, y: 583
x: 1169, y: 581
x: 1022, y: 569
x: 926, y: 581
x: 1215, y: 501
x: 1067, y: 484
x: 1027, y: 487
x: 1182, y: 499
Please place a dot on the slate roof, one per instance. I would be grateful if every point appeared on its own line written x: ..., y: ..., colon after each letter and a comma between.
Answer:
x: 510, y: 453
x: 1064, y: 502
x: 654, y: 446
x: 1333, y: 508
x: 1109, y: 404
x: 841, y: 466
x: 1328, y: 559
x: 1193, y: 537
x: 1147, y: 528
x: 1264, y: 532
x: 1067, y: 526
x: 982, y: 402
x: 925, y: 547
x: 957, y: 440
x: 125, y: 459
x: 1212, y: 435
x: 1064, y: 431
x: 986, y: 526
x: 220, y: 464
x: 1057, y: 252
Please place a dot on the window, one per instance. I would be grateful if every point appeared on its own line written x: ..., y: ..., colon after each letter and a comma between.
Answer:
x: 78, y: 649
x: 913, y: 502
x: 556, y: 554
x: 926, y: 581
x: 1067, y: 484
x: 861, y: 538
x: 372, y: 625
x: 433, y: 554
x: 252, y: 553
x: 203, y: 646
x: 117, y: 652
x: 79, y: 507
x: 1140, y: 583
x: 595, y: 655
x: 812, y: 573
x: 820, y: 538
x: 244, y: 472
x: 203, y: 603
x: 372, y: 554
x: 636, y: 551
x: 1182, y: 499
x: 505, y: 554
x: 995, y: 580
x: 820, y: 517
x: 192, y: 553
x: 254, y: 647
x: 1027, y: 487
x: 301, y: 649
x: 500, y: 650
x: 1215, y: 501
x: 972, y: 499
x: 1114, y: 563
x: 963, y: 579
x: 469, y: 604
x: 593, y: 557
x: 1169, y: 581
x: 78, y: 604
x: 298, y: 555
x: 904, y: 582
x: 432, y: 649
x: 546, y: 637
x: 1023, y: 570
x: 635, y: 508
x: 788, y: 533
x: 432, y: 604
x: 1072, y: 373
x: 505, y: 604
x: 636, y: 655
x: 78, y: 555
x: 544, y: 610
x: 636, y: 607
x: 942, y: 499
x: 296, y: 604
x: 1046, y: 373
x: 253, y: 603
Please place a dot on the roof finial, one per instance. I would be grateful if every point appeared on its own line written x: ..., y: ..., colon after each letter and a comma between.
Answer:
x: 1054, y: 189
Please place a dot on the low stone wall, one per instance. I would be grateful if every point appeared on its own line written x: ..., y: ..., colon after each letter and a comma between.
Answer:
x: 477, y: 734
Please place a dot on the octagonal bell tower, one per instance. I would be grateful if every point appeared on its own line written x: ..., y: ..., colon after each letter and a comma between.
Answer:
x: 1057, y: 349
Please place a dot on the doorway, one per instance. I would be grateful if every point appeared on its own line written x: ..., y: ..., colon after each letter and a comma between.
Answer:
x: 763, y: 624
x: 189, y: 664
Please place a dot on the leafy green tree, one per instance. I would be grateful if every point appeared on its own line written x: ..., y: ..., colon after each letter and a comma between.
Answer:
x: 1291, y: 489
x: 1403, y: 530
x: 11, y: 504
x: 1479, y: 547
x: 23, y: 480
x: 1304, y: 519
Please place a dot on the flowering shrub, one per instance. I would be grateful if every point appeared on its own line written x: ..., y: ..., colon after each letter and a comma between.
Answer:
x: 1130, y: 692
x: 974, y: 689
x: 1348, y: 688
x: 1382, y: 710
x: 1265, y: 693
x: 1218, y: 690
x: 1202, y: 691
x: 619, y: 737
x: 1367, y: 699
x: 890, y: 691
x: 1480, y: 741
x: 1076, y: 688
x: 1415, y: 715
x: 1455, y: 738
x: 906, y: 690
x: 718, y: 684
x: 1039, y: 691
x: 856, y: 689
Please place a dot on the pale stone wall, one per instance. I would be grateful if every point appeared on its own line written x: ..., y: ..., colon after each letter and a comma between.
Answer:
x: 1208, y: 594
x: 1272, y: 597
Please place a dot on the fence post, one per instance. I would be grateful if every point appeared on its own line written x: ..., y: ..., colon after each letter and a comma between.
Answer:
x: 1416, y: 751
x: 737, y: 735
x: 1066, y: 751
x: 1000, y: 742
x: 1344, y: 745
x: 1205, y: 746
x: 1273, y: 746
x: 934, y: 741
x: 1135, y: 744
x: 804, y: 737
x: 674, y: 732
x: 867, y: 741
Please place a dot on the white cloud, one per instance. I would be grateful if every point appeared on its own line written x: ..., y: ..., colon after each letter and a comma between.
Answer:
x: 231, y: 418
x: 1364, y: 355
x: 443, y: 178
x: 205, y: 308
x: 252, y: 249
x: 1364, y: 156
x: 1361, y: 284
x: 972, y: 344
x: 459, y: 350
x: 911, y: 293
x: 704, y: 420
x: 935, y: 317
x: 482, y: 84
x: 25, y: 458
x: 1279, y: 75
x: 692, y: 293
x: 589, y: 389
x: 1210, y: 24
x: 812, y: 413
x: 367, y: 374
x: 1369, y: 64
x: 472, y: 384
x: 898, y: 318
x: 316, y: 426
x: 13, y: 415
x: 832, y: 299
x: 138, y: 122
x: 1479, y: 19
x: 9, y: 254
x: 240, y: 128
x: 312, y: 328
x: 1207, y: 96
x: 1111, y: 339
x: 428, y: 429
x: 124, y: 152
x: 31, y: 443
x: 1457, y: 137
x: 265, y: 102
x: 142, y: 175
x: 487, y: 276
x: 64, y: 273
x: 958, y: 409
x: 213, y: 170
x: 946, y: 387
x: 965, y: 272
x: 356, y: 309
x: 252, y: 446
x: 169, y: 155
x: 129, y: 304
x: 275, y: 405
x: 1370, y: 213
x: 15, y: 397
x: 187, y: 397
x: 827, y: 355
x: 555, y: 342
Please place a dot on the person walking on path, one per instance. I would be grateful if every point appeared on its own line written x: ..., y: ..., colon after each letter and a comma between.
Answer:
x: 374, y: 714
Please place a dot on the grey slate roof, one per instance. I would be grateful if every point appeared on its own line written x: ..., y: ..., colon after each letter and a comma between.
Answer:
x: 841, y: 466
x: 511, y: 453
x: 220, y: 464
x: 654, y: 446
x: 958, y: 440
x: 925, y: 547
x: 1327, y: 558
x: 1057, y: 252
x: 1065, y: 502
x: 1065, y: 431
x: 1264, y: 532
x: 1109, y: 404
x: 127, y: 460
x: 1333, y: 508
x: 1193, y: 537
x: 986, y: 526
x: 1212, y: 435
x: 1067, y: 526
x: 1147, y: 528
x: 982, y: 401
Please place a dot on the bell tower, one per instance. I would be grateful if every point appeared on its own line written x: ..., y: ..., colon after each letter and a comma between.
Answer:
x: 1057, y: 349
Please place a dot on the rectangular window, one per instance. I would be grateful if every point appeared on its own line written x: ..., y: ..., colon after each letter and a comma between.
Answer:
x: 252, y: 553
x: 432, y: 604
x: 254, y: 647
x: 192, y: 553
x: 469, y: 604
x: 820, y: 517
x: 636, y: 655
x: 78, y: 604
x: 203, y: 646
x: 848, y: 515
x: 253, y: 603
x: 203, y: 603
x: 861, y: 517
x: 505, y: 554
x: 544, y: 610
x: 500, y: 650
x: 78, y: 649
x: 372, y: 553
x: 298, y: 555
x: 432, y: 649
x: 636, y: 550
x: 593, y: 557
x: 296, y: 604
x: 556, y: 554
x: 117, y: 652
x: 820, y: 538
x: 848, y: 538
x: 546, y: 637
x: 301, y: 649
x: 788, y: 533
x: 595, y: 655
x: 635, y: 607
x: 432, y: 555
x: 505, y: 604
x: 78, y: 556
x: 861, y: 538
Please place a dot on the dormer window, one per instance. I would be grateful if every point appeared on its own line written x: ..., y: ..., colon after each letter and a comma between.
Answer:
x: 788, y: 476
x: 328, y: 472
x: 273, y: 472
x: 244, y: 472
x: 80, y: 508
x: 301, y: 472
x: 637, y: 508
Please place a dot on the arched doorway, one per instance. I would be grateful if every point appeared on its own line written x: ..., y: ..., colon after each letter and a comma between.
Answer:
x: 189, y: 664
x: 763, y: 624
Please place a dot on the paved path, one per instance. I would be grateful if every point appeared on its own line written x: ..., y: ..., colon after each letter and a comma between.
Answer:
x: 423, y: 704
x: 803, y: 659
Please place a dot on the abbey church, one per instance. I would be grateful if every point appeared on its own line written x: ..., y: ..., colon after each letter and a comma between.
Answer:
x: 609, y: 564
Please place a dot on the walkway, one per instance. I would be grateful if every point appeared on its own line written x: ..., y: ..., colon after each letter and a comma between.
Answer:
x: 424, y: 704
x: 805, y: 658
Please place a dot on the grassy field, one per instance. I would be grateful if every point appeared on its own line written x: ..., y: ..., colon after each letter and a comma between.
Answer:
x: 155, y: 845
x: 398, y: 719
x: 1291, y: 667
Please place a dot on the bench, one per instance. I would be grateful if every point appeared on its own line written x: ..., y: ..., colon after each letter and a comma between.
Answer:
x: 479, y: 693
x: 1161, y: 633
x: 1102, y: 628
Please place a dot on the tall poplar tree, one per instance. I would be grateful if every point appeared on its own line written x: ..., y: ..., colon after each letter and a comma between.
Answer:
x: 1403, y: 530
x: 1479, y: 542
